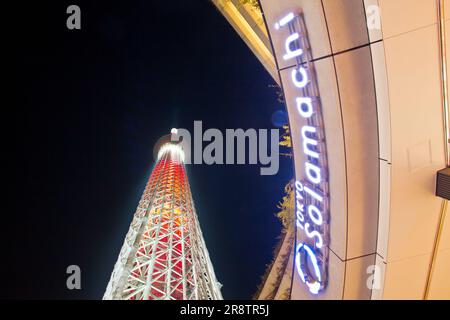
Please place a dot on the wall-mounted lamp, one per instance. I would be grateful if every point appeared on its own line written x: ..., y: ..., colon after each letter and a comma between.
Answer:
x: 443, y: 184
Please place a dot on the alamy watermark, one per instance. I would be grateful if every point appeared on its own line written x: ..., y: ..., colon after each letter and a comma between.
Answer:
x: 74, y: 20
x: 373, y: 17
x: 374, y: 278
x: 74, y: 279
x: 231, y: 147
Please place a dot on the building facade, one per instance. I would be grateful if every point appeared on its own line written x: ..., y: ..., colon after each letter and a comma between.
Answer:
x: 366, y: 89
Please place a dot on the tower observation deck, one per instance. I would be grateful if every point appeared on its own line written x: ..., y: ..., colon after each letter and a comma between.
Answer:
x: 164, y: 256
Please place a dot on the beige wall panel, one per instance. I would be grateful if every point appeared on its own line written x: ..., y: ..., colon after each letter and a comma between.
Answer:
x: 329, y: 97
x: 378, y: 284
x: 356, y: 278
x: 400, y: 16
x: 406, y: 279
x: 447, y: 9
x: 336, y: 161
x: 382, y: 94
x: 440, y: 284
x: 375, y: 34
x: 332, y: 116
x: 447, y: 45
x: 445, y: 235
x: 417, y: 148
x: 356, y: 88
x: 384, y: 208
x: 346, y: 24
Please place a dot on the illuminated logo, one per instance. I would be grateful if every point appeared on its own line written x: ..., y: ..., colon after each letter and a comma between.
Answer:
x: 311, y: 190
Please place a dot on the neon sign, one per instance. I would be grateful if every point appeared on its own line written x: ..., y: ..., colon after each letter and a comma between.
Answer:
x: 311, y: 189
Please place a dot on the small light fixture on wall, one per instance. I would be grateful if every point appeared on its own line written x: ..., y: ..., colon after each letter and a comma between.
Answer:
x: 443, y: 184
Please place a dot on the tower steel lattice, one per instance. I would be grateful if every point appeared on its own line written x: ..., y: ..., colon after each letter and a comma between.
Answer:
x: 164, y: 256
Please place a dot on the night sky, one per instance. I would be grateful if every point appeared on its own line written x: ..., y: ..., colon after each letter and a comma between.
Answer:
x: 88, y: 106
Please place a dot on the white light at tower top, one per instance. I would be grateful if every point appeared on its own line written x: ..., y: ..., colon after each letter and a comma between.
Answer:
x: 173, y: 149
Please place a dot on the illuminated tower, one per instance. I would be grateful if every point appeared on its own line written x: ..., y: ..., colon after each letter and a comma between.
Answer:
x: 164, y: 256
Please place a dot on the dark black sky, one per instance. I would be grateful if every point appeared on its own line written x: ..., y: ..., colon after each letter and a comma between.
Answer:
x: 89, y: 105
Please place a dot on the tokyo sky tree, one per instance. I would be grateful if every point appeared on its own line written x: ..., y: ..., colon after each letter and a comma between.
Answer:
x: 164, y: 256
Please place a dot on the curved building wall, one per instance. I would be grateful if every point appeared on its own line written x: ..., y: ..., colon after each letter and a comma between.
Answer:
x: 381, y: 100
x: 410, y: 212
